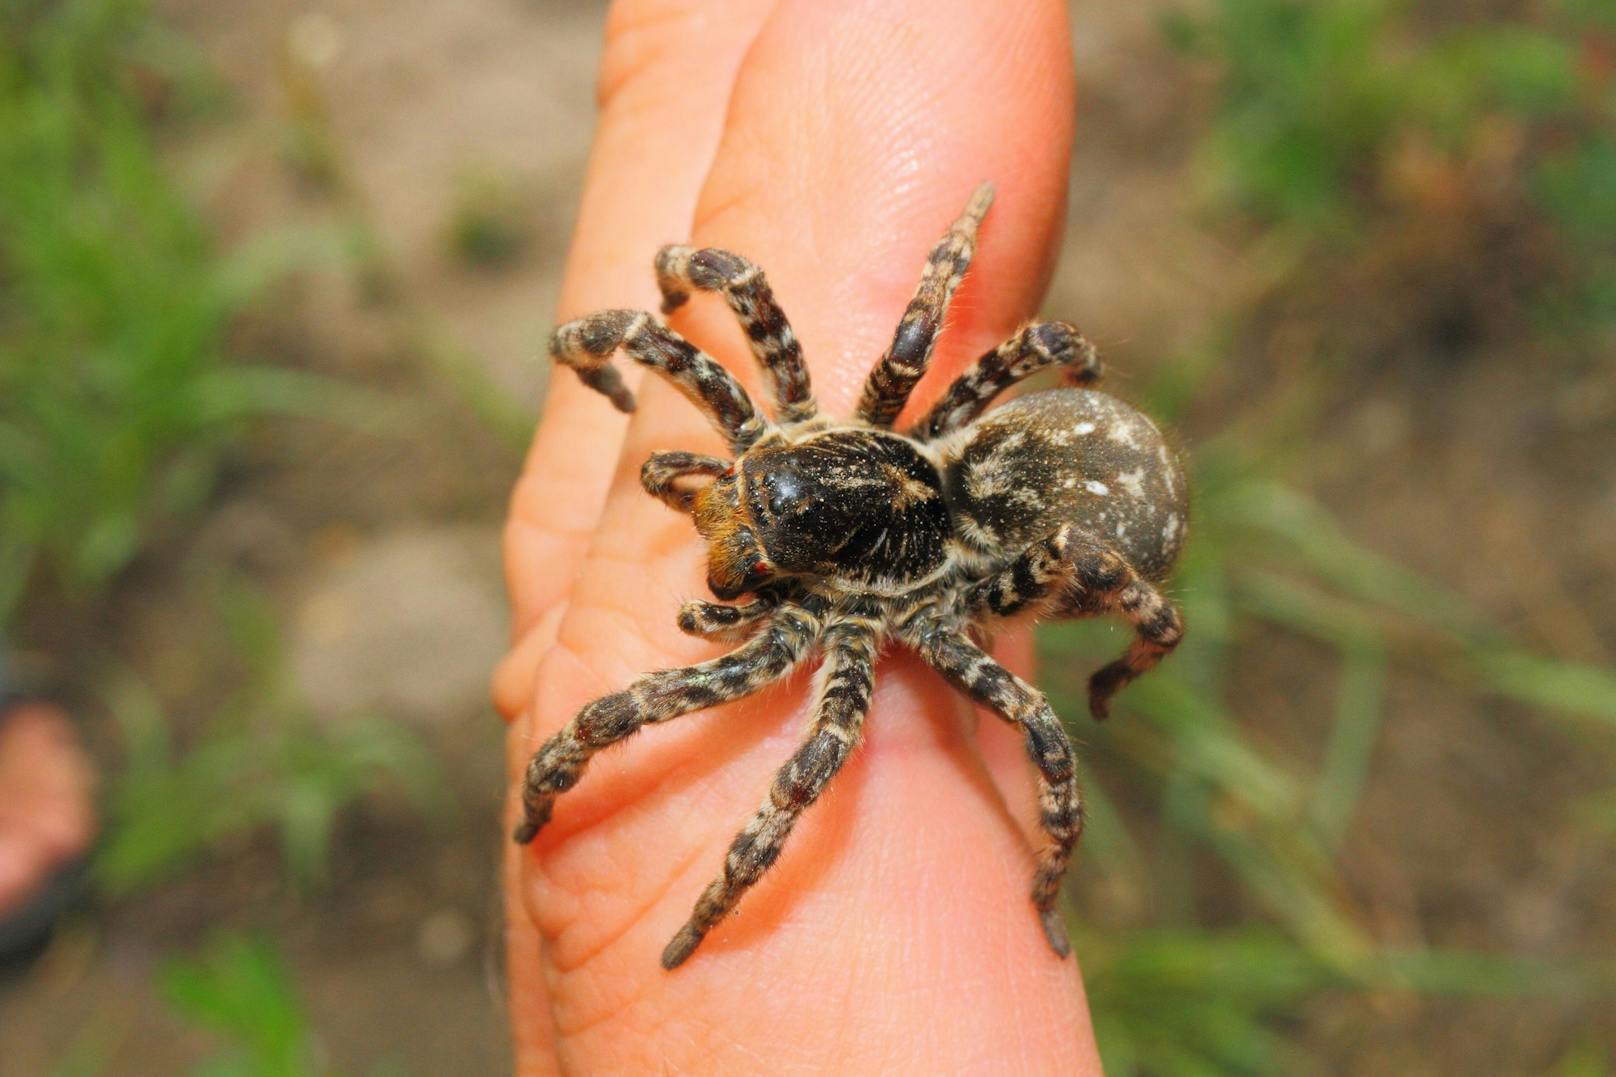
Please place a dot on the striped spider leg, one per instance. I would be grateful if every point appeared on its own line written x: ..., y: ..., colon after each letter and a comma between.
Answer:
x: 843, y: 697
x: 947, y: 649
x: 681, y: 270
x: 1072, y: 574
x: 766, y: 657
x: 906, y: 358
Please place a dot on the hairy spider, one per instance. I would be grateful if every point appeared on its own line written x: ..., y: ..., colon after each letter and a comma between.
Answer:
x: 849, y: 535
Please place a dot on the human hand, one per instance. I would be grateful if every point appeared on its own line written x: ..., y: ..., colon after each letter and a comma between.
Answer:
x: 831, y: 142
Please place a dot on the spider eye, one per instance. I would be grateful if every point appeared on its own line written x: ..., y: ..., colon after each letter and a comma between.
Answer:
x: 781, y: 505
x: 786, y: 494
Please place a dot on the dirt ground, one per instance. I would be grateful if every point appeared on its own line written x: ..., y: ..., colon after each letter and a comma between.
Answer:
x: 1439, y: 462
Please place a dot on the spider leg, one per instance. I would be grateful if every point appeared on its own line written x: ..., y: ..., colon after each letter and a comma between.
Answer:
x: 906, y: 358
x: 658, y: 697
x: 1033, y: 348
x: 1158, y: 626
x: 681, y: 270
x: 586, y: 344
x: 1070, y: 574
x: 844, y: 696
x: 1059, y: 801
x: 716, y: 620
x: 662, y: 470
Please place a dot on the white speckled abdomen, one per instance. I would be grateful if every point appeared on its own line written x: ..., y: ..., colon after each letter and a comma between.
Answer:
x: 1069, y: 456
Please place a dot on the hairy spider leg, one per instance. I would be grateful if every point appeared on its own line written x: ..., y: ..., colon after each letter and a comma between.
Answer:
x: 681, y: 270
x: 1158, y: 626
x: 1033, y: 348
x: 658, y: 697
x: 1070, y: 574
x: 586, y: 345
x: 1060, y: 803
x: 846, y: 679
x: 907, y: 357
x: 662, y: 470
x: 721, y: 621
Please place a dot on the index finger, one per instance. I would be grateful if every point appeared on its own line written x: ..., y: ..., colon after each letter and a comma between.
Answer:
x: 665, y: 76
x: 666, y: 73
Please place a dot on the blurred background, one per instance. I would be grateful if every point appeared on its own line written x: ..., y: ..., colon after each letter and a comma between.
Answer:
x: 273, y: 278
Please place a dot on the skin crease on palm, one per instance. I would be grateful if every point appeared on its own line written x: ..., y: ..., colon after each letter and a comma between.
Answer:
x: 831, y: 141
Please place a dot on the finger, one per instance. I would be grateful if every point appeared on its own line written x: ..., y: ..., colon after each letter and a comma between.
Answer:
x: 665, y: 75
x: 875, y: 198
x: 666, y: 72
x: 898, y: 915
x: 853, y: 212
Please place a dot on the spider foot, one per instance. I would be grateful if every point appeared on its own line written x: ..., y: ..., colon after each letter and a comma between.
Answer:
x: 681, y: 947
x: 681, y: 270
x: 554, y: 769
x: 1159, y: 626
x: 716, y: 620
x: 1106, y: 683
x: 529, y: 828
x: 587, y: 344
x: 1055, y: 932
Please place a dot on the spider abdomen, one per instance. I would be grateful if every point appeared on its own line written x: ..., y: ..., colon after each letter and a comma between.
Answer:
x: 1069, y: 456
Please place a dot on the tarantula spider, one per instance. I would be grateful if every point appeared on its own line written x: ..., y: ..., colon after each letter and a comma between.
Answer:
x: 849, y: 535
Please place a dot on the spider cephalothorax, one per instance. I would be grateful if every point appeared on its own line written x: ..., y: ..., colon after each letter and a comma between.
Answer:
x: 849, y: 535
x: 859, y: 506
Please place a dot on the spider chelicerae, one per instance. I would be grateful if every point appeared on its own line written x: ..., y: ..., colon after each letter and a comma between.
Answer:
x: 849, y: 535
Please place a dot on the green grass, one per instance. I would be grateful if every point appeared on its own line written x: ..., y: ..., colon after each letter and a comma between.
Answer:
x: 122, y: 398
x: 490, y: 225
x: 125, y: 395
x: 1266, y: 559
x: 1193, y: 1001
x: 1343, y: 123
x: 260, y: 763
x: 1317, y: 105
x: 121, y: 395
x: 241, y: 992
